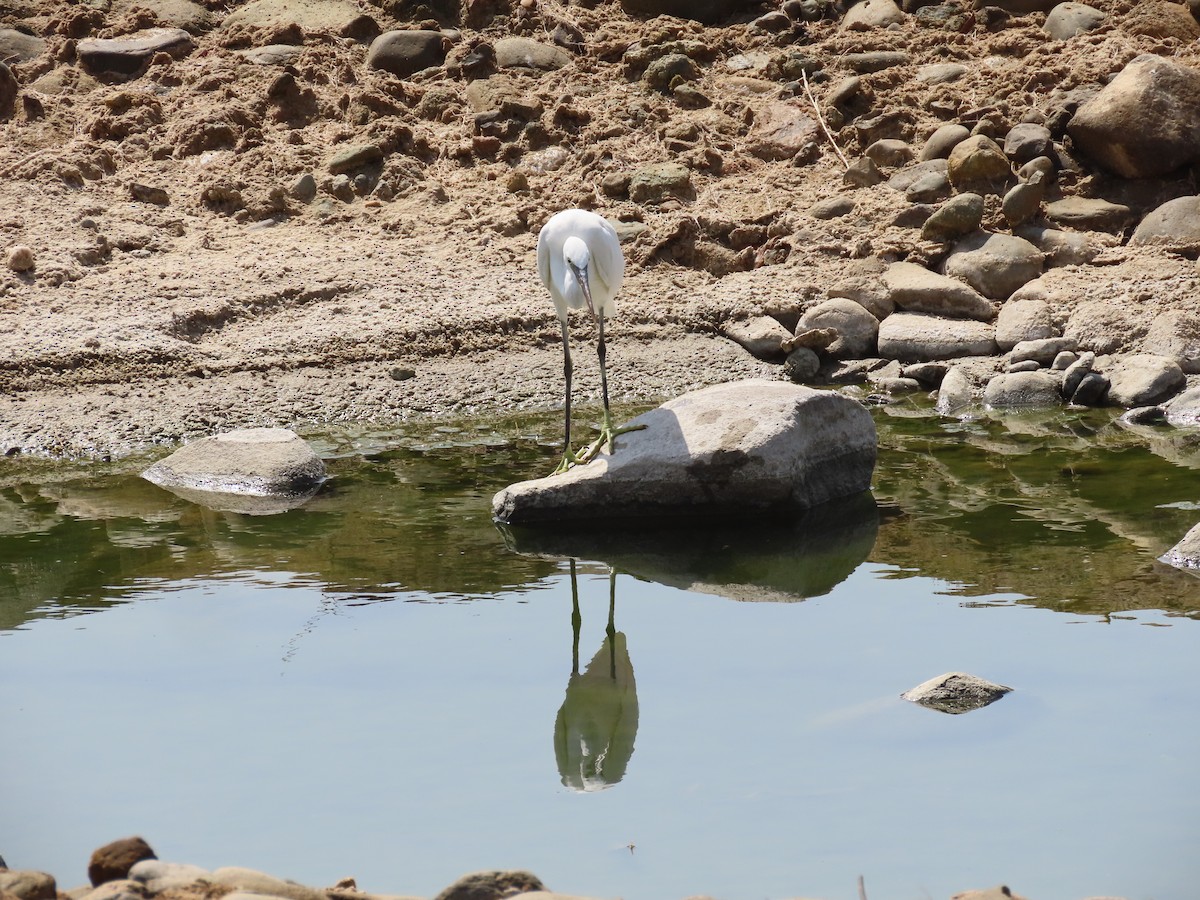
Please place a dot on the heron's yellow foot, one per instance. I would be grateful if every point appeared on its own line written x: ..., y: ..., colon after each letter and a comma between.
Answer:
x: 569, y: 458
x: 608, y: 433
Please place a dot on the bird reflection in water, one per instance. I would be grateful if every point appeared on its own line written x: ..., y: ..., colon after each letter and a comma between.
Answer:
x: 597, y: 724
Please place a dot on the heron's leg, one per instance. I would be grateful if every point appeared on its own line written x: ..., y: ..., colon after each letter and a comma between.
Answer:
x: 607, y: 431
x: 602, y: 353
x: 569, y: 458
x: 611, y: 630
x: 576, y: 620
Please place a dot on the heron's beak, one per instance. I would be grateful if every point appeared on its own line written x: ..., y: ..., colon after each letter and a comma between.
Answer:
x: 581, y: 275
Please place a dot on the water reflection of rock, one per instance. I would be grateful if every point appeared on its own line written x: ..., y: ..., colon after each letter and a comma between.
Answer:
x: 783, y: 560
x: 1068, y: 509
x: 394, y: 523
x: 597, y: 724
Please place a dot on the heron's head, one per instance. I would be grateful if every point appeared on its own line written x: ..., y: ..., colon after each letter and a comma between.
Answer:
x: 578, y: 256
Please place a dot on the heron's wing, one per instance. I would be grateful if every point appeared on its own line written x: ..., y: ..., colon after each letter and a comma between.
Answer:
x: 543, y: 260
x: 608, y: 264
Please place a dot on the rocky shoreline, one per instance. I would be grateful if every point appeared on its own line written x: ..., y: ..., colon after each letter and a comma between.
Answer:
x: 127, y: 869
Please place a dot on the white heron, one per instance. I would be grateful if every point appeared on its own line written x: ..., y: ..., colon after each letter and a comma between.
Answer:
x: 581, y: 264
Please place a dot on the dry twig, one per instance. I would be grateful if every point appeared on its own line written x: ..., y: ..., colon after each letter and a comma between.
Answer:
x: 821, y: 119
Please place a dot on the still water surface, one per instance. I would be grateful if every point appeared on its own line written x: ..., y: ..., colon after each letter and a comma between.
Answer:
x: 382, y: 684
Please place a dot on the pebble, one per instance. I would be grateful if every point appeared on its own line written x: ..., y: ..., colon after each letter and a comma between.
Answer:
x: 1064, y: 360
x: 1022, y: 202
x: 526, y: 53
x: 862, y: 173
x: 1023, y: 389
x: 857, y: 329
x: 128, y: 54
x: 956, y: 692
x: 20, y: 258
x: 1074, y: 374
x: 28, y: 885
x: 871, y: 14
x: 978, y: 163
x: 833, y: 208
x: 920, y: 337
x: 1041, y: 350
x: 1144, y: 380
x: 994, y: 264
x: 661, y: 72
x: 941, y: 73
x: 955, y: 392
x: 1027, y: 366
x: 1028, y: 141
x: 1175, y: 225
x: 930, y: 189
x: 889, y: 152
x: 802, y: 365
x: 356, y: 157
x: 1092, y: 390
x: 1067, y: 20
x: 939, y: 144
x: 114, y: 860
x: 914, y: 288
x: 874, y: 60
x: 761, y: 336
x: 660, y: 181
x: 1088, y: 213
x: 957, y: 217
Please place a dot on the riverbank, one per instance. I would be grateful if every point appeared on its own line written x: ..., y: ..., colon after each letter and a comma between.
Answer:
x: 262, y: 224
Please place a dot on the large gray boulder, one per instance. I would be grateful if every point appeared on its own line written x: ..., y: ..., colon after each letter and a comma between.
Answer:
x: 739, y: 449
x: 249, y: 462
x: 1145, y: 122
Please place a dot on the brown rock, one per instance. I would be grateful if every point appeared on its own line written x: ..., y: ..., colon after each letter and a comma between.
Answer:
x: 781, y: 131
x: 1145, y: 122
x: 113, y: 861
x: 492, y: 885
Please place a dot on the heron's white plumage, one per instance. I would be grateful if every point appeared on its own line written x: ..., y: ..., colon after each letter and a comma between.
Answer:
x: 603, y: 263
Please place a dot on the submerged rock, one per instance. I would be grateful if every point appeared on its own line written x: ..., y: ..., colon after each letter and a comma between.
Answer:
x: 742, y: 449
x: 956, y: 692
x: 1185, y: 554
x: 272, y: 463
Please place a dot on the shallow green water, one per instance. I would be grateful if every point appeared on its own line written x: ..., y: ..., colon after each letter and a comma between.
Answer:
x: 383, y: 684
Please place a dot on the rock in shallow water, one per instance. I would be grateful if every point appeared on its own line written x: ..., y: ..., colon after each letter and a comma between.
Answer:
x: 956, y: 692
x: 742, y: 449
x: 248, y: 462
